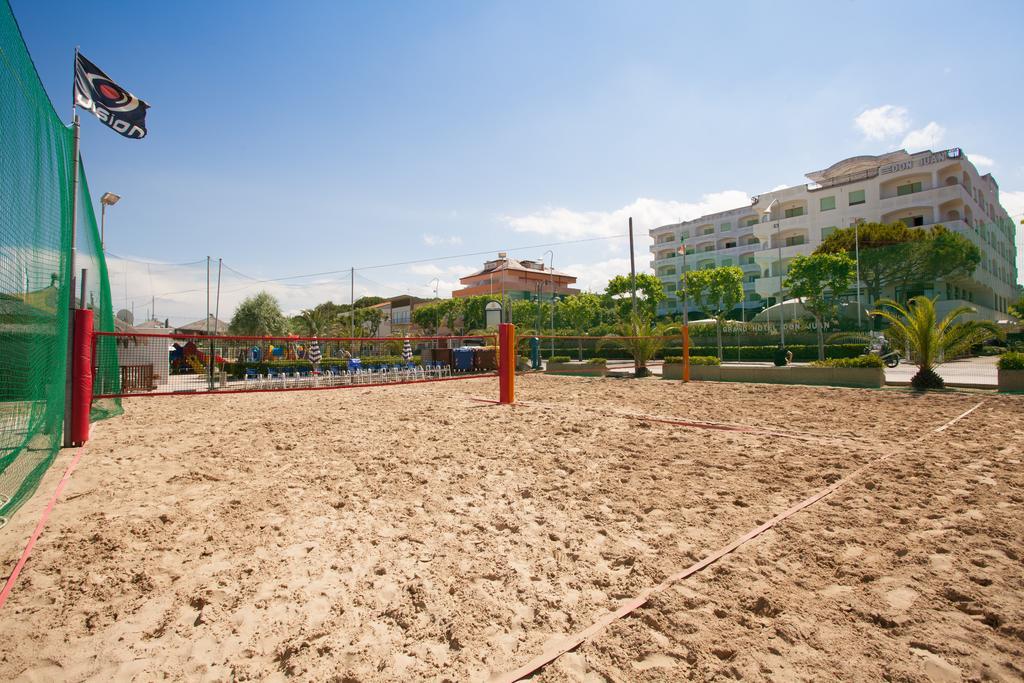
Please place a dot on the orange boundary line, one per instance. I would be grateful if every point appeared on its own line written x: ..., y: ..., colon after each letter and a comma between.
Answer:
x: 575, y: 640
x: 9, y: 586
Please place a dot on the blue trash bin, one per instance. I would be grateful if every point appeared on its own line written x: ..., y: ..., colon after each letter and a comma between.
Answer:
x: 463, y: 358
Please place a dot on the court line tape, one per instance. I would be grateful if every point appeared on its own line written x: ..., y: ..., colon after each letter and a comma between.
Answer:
x: 561, y: 646
x: 694, y: 424
x: 9, y: 585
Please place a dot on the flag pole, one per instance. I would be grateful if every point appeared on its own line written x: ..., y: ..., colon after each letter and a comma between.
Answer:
x: 75, y: 148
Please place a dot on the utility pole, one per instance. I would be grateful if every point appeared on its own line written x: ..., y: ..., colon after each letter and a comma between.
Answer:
x: 352, y: 303
x: 632, y: 265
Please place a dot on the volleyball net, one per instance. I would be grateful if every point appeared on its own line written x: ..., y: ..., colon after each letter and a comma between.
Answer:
x: 140, y: 364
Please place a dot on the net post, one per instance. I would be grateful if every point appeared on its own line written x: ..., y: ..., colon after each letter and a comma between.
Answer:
x: 686, y: 353
x: 81, y: 368
x: 506, y: 362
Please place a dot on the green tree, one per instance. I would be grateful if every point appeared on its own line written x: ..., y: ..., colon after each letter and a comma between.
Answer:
x: 650, y: 292
x: 259, y: 316
x: 581, y: 313
x: 816, y: 280
x: 715, y: 291
x: 317, y: 321
x: 893, y: 255
x: 642, y: 340
x: 931, y: 341
x: 1017, y: 309
x: 367, y: 301
x: 368, y: 320
x: 428, y: 317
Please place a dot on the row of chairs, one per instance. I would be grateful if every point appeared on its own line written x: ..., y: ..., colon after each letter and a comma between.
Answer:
x: 352, y: 374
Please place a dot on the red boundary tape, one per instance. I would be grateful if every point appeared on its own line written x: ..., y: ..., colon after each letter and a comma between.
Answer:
x: 575, y: 640
x: 39, y: 527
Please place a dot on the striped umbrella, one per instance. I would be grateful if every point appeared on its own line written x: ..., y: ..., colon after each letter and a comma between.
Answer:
x: 314, y: 354
x: 407, y: 351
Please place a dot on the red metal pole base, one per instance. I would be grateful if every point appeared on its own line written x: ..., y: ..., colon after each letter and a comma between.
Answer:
x: 506, y: 363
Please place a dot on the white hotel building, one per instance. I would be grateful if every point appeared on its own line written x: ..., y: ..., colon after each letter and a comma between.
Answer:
x: 920, y: 189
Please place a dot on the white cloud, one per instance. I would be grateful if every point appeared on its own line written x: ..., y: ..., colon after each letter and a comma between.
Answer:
x: 1013, y: 202
x: 592, y: 277
x: 982, y: 161
x: 568, y: 224
x: 441, y: 240
x: 883, y: 122
x: 929, y: 137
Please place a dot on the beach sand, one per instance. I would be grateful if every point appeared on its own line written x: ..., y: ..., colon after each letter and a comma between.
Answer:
x: 412, y: 533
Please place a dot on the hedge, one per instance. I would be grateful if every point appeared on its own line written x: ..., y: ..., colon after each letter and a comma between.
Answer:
x: 863, y: 361
x: 1013, y: 360
x: 695, y: 360
x: 801, y: 352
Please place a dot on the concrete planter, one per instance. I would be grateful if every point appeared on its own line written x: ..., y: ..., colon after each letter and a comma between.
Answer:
x: 1011, y: 380
x: 577, y: 368
x: 873, y: 378
x: 697, y: 372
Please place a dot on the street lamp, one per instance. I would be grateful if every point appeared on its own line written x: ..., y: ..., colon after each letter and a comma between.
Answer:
x: 108, y: 199
x: 778, y: 243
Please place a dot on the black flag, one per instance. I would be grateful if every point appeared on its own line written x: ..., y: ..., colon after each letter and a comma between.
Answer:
x: 112, y: 104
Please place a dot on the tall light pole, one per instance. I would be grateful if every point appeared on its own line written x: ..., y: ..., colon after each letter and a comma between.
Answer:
x: 551, y: 283
x: 778, y: 243
x: 108, y: 199
x: 856, y: 247
x: 686, y: 298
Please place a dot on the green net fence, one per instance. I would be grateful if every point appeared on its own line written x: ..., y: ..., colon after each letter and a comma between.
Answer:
x: 35, y: 236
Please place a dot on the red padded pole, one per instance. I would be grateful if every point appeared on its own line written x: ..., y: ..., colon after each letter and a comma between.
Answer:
x: 506, y: 363
x: 81, y: 378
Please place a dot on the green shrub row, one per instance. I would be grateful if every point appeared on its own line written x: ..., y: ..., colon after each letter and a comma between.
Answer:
x: 1014, y: 360
x: 863, y: 361
x: 801, y: 352
x: 559, y: 359
x: 695, y: 360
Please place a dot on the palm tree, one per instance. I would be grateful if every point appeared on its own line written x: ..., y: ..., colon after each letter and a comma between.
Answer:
x: 930, y: 341
x: 641, y: 338
x: 316, y: 322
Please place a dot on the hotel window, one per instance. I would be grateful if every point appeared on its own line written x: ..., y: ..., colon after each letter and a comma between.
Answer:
x: 726, y: 227
x: 825, y: 232
x: 795, y: 240
x: 909, y: 188
x: 710, y: 230
x: 749, y: 222
x: 685, y: 235
x: 794, y: 212
x: 710, y: 247
x: 913, y: 221
x: 827, y: 203
x: 856, y: 197
x: 727, y: 262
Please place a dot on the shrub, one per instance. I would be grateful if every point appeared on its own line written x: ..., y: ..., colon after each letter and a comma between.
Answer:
x: 695, y: 360
x: 597, y: 361
x: 1011, y: 361
x: 992, y: 350
x: 865, y: 361
x: 237, y: 370
x: 559, y: 359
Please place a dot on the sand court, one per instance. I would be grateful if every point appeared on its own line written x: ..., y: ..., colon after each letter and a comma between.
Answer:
x: 410, y: 532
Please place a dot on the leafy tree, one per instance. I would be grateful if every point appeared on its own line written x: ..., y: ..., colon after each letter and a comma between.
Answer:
x: 816, y: 280
x: 1017, y: 309
x: 641, y: 338
x: 367, y: 301
x: 649, y: 294
x: 317, y: 321
x: 427, y: 317
x: 715, y: 291
x: 893, y: 255
x: 368, y: 320
x: 581, y: 312
x: 259, y: 316
x: 931, y: 341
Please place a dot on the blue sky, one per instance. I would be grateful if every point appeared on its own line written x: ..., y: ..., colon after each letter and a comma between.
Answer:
x: 294, y: 138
